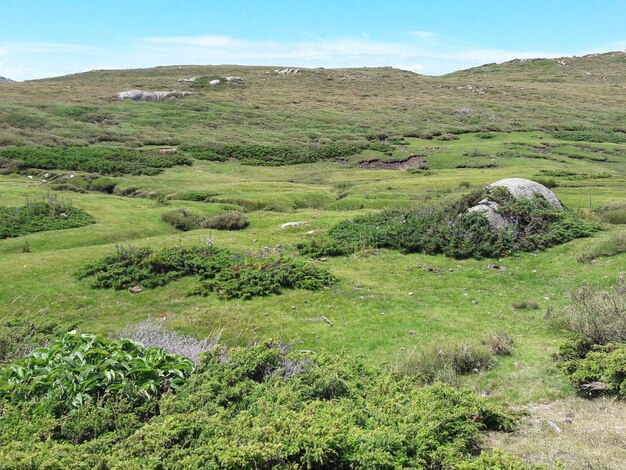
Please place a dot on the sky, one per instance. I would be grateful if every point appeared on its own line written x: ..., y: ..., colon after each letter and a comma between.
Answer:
x: 45, y: 38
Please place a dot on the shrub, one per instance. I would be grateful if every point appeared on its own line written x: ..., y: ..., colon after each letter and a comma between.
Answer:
x: 613, y: 213
x: 320, y: 247
x: 533, y: 224
x: 227, y: 273
x: 285, y: 155
x: 612, y: 246
x: 183, y: 219
x: 525, y: 305
x: 446, y: 362
x: 500, y: 344
x: 102, y: 160
x: 19, y: 336
x: 76, y: 368
x: 598, y: 316
x: 231, y: 220
x: 41, y: 216
x: 264, y: 277
x: 267, y: 406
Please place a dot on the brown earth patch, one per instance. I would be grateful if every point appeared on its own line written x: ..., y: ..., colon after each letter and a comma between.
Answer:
x: 411, y: 162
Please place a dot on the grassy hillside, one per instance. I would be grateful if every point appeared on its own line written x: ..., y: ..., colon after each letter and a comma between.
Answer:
x: 557, y: 121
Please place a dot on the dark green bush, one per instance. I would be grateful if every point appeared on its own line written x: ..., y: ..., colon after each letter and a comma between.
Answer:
x: 102, y: 160
x: 264, y: 406
x: 185, y: 219
x: 227, y: 273
x: 285, y: 155
x: 533, y: 224
x: 41, y: 216
x: 265, y: 276
x: 591, y: 136
x: 19, y: 336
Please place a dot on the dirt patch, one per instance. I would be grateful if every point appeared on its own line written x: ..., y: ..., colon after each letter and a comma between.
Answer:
x: 411, y: 162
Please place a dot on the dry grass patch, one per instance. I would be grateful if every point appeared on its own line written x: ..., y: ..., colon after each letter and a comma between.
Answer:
x: 574, y: 433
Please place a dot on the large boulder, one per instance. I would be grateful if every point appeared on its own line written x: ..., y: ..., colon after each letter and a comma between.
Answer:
x: 519, y: 188
x: 140, y: 95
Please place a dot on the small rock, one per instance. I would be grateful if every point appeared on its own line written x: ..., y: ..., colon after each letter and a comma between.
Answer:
x: 215, y: 82
x: 412, y: 332
x: 136, y: 289
x: 410, y: 294
x: 474, y: 302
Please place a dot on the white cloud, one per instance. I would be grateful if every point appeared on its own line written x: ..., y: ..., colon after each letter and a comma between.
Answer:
x: 431, y: 56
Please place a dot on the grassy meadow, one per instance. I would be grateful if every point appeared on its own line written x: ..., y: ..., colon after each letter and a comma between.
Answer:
x: 386, y: 305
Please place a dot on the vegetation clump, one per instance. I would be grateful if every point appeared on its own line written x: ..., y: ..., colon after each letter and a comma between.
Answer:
x: 262, y: 406
x: 185, y: 220
x: 101, y: 160
x: 229, y: 274
x: 594, y: 358
x: 532, y: 224
x: 41, y: 216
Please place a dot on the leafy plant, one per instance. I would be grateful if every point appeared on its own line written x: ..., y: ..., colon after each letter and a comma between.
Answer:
x: 76, y: 368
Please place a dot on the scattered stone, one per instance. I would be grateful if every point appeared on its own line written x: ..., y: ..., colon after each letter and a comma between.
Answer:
x: 553, y: 425
x: 215, y: 82
x: 411, y: 294
x: 496, y: 266
x: 412, y: 332
x: 140, y: 95
x: 295, y: 224
x: 287, y: 71
x: 235, y: 79
x: 136, y: 289
x: 311, y: 232
x: 187, y: 80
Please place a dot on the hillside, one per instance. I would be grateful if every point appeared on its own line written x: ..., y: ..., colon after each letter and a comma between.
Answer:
x: 316, y: 105
x: 317, y: 227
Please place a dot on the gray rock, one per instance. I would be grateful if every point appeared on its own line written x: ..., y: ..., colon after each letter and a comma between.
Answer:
x: 287, y: 71
x: 140, y: 95
x: 234, y: 79
x: 522, y: 188
x: 187, y: 80
x: 6, y: 80
x: 295, y: 224
x: 215, y: 82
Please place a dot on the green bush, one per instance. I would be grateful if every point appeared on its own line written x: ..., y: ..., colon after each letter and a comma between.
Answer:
x: 262, y: 406
x: 613, y: 213
x: 102, y: 160
x: 533, y: 224
x: 227, y: 273
x: 41, y: 216
x: 19, y: 336
x: 265, y: 276
x: 78, y: 368
x: 183, y: 219
x: 231, y: 220
x: 611, y: 246
x: 591, y: 136
x: 286, y: 154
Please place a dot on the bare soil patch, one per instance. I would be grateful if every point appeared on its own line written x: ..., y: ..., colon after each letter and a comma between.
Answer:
x: 411, y: 162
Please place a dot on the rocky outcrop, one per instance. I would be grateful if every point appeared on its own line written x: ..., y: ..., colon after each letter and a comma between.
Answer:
x: 187, y: 80
x: 287, y: 71
x: 519, y: 188
x: 140, y: 95
x: 234, y: 79
x: 6, y: 80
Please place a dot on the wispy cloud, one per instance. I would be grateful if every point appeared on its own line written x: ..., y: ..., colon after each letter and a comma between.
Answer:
x: 430, y: 55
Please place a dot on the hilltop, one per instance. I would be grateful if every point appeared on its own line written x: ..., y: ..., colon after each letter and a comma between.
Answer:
x: 315, y: 105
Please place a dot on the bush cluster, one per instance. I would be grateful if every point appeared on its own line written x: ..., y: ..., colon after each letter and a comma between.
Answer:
x: 251, y: 154
x: 102, y: 160
x: 591, y: 136
x: 40, y: 216
x: 185, y: 220
x: 262, y: 406
x: 229, y: 274
x: 533, y: 225
x: 594, y: 358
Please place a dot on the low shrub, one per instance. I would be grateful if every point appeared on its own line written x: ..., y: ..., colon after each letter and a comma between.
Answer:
x: 525, y: 305
x: 19, y: 336
x: 185, y: 220
x: 591, y: 136
x: 101, y: 160
x: 611, y: 246
x: 231, y: 220
x: 446, y: 362
x: 598, y: 315
x: 500, y: 344
x: 265, y: 276
x: 266, y: 406
x: 613, y: 213
x: 285, y: 155
x: 533, y: 224
x: 41, y: 216
x: 229, y: 274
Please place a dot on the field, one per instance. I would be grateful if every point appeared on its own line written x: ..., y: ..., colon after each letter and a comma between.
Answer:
x: 539, y: 120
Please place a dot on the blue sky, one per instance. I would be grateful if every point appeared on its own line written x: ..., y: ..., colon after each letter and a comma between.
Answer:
x: 40, y: 38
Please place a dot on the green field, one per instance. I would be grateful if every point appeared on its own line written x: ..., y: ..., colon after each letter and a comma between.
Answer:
x: 386, y: 305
